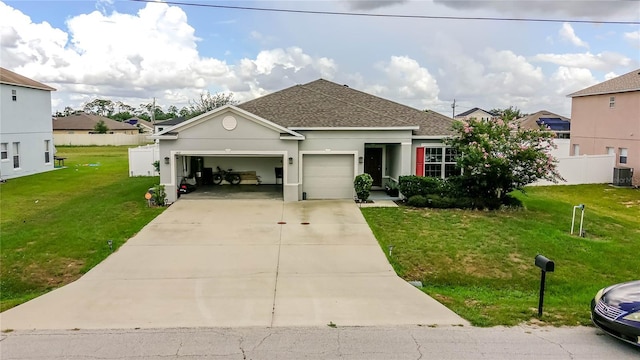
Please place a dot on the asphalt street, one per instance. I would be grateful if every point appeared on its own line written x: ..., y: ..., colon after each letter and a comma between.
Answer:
x: 371, y: 343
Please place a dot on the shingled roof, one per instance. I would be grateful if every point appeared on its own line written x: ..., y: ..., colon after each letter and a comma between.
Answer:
x: 531, y: 121
x: 324, y: 104
x: 624, y: 83
x: 10, y: 78
x: 84, y: 121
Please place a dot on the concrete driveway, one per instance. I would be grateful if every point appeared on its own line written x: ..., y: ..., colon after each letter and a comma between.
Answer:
x: 231, y: 263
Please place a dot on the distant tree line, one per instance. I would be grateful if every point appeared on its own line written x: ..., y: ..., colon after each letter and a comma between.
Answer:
x: 119, y: 111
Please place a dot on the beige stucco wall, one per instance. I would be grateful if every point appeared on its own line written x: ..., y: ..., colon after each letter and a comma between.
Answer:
x: 596, y: 126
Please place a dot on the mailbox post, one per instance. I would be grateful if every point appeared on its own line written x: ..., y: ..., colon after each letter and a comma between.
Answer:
x: 546, y: 265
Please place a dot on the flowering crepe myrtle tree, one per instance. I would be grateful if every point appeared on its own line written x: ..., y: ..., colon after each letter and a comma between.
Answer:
x: 497, y: 157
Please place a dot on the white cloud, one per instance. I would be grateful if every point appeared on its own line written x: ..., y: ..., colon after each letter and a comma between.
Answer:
x: 598, y: 9
x: 567, y: 33
x: 605, y: 61
x: 566, y: 80
x: 139, y: 56
x: 633, y: 37
x: 405, y: 79
x: 372, y: 4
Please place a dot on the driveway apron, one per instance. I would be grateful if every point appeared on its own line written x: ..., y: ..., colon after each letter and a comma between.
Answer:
x: 234, y: 263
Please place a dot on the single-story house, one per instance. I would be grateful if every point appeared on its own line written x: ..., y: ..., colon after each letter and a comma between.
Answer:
x: 557, y: 123
x: 83, y: 123
x: 165, y: 124
x: 144, y: 126
x: 312, y: 138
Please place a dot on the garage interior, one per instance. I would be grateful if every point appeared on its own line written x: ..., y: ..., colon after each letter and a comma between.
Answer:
x: 261, y: 176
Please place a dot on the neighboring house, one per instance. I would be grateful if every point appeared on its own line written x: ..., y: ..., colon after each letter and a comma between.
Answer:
x: 476, y: 113
x: 313, y: 138
x: 606, y: 120
x: 559, y: 124
x: 26, y: 139
x: 144, y: 126
x: 83, y: 123
x: 165, y: 124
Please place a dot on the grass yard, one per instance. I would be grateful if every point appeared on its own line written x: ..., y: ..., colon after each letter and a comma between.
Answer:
x: 481, y: 264
x: 55, y: 225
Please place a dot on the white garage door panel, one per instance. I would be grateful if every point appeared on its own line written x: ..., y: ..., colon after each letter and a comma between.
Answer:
x: 328, y: 176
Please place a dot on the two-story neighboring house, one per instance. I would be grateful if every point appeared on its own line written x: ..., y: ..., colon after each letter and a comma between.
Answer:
x: 605, y: 119
x: 26, y: 137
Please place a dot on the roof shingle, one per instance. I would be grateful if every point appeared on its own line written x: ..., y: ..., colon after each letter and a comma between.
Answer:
x: 324, y: 104
x: 84, y: 121
x: 10, y: 78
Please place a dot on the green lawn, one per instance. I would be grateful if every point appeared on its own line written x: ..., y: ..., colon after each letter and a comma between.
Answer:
x: 481, y: 264
x: 55, y: 225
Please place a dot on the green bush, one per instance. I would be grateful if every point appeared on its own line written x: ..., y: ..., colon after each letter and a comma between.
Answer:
x: 417, y: 201
x: 362, y: 185
x: 159, y: 196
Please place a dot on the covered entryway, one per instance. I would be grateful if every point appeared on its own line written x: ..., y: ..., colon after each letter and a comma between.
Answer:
x: 328, y: 176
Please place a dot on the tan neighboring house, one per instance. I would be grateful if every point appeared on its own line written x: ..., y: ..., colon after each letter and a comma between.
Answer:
x: 557, y: 123
x: 606, y: 120
x: 476, y: 113
x: 83, y: 123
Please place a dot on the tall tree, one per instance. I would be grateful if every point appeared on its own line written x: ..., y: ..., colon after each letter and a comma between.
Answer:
x: 508, y: 114
x: 498, y: 157
x: 100, y: 107
x: 208, y: 102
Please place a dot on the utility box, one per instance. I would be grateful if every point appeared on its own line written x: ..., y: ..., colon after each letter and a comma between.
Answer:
x: 622, y: 176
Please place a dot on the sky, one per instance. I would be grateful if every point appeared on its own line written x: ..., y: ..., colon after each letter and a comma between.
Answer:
x: 135, y: 51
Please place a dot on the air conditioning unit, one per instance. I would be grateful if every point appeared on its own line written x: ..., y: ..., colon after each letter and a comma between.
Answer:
x: 622, y: 176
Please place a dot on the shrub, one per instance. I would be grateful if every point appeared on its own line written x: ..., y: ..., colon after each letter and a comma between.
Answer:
x: 417, y: 201
x: 159, y: 196
x: 409, y: 185
x: 362, y: 185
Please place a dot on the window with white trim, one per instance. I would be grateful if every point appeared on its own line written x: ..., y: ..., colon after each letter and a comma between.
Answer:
x: 14, y: 95
x: 623, y: 155
x: 16, y: 155
x: 47, y: 151
x: 440, y: 162
x: 612, y: 101
x: 4, y: 151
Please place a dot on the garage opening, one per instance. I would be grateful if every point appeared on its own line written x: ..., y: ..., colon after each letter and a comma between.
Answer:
x: 230, y: 177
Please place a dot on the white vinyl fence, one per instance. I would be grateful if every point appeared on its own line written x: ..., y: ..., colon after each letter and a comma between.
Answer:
x: 100, y: 139
x: 141, y: 160
x: 584, y: 169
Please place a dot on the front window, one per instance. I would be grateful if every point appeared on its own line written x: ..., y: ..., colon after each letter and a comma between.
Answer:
x: 16, y: 155
x: 440, y: 162
x: 623, y: 155
x: 4, y: 151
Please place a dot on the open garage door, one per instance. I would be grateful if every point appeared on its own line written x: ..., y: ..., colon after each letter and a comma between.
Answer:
x: 327, y: 176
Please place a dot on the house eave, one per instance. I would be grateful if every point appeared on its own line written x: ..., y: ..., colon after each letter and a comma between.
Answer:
x: 603, y: 93
x: 351, y: 128
x: 164, y: 137
x: 431, y: 137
